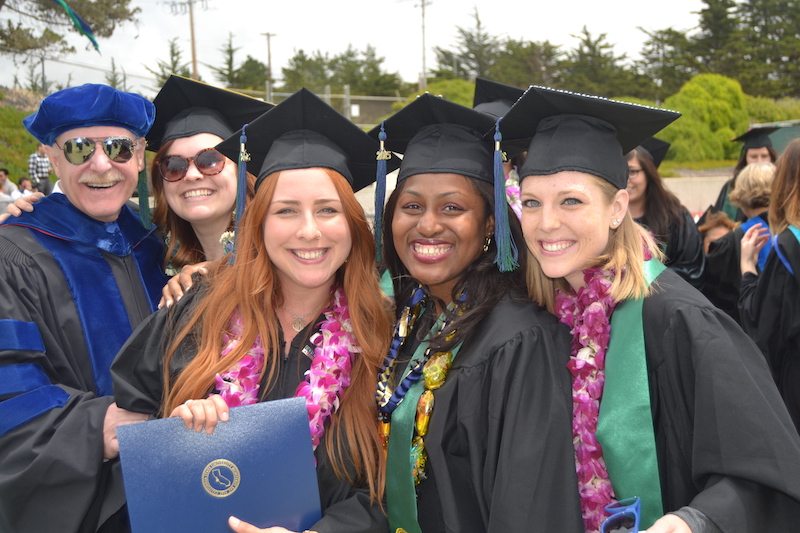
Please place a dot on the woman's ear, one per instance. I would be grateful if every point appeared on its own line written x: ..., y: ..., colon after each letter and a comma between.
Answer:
x: 619, y: 207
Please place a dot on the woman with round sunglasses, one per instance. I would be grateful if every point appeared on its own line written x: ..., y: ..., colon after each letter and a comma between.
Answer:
x: 474, y: 391
x: 194, y: 185
x: 672, y: 402
x: 299, y: 312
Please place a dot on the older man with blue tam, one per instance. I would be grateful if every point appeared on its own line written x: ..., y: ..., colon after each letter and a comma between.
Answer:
x: 77, y: 275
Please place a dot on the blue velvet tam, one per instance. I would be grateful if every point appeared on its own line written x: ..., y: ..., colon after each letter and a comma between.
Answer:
x: 90, y: 105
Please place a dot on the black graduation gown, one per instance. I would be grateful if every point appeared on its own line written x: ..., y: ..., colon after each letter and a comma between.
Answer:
x: 769, y: 305
x: 138, y: 386
x: 723, y: 274
x: 684, y: 249
x: 725, y: 442
x: 52, y: 474
x: 500, y: 455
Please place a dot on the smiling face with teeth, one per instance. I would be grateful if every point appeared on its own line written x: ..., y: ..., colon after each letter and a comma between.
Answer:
x: 99, y: 187
x: 204, y: 201
x: 439, y: 226
x: 567, y: 219
x: 306, y: 233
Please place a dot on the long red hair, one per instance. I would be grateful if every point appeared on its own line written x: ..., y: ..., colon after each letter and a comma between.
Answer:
x: 251, y: 286
x: 180, y: 231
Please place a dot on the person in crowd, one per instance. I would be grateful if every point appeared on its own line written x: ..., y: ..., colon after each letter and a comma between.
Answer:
x: 298, y: 311
x: 7, y: 188
x: 24, y: 188
x: 673, y: 403
x: 495, y: 99
x: 474, y: 392
x: 39, y: 170
x: 660, y: 211
x: 769, y: 297
x: 76, y: 277
x: 756, y: 148
x: 723, y: 275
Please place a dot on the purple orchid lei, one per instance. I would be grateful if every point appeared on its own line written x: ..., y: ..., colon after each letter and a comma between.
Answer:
x: 513, y: 192
x: 588, y: 314
x: 325, y: 381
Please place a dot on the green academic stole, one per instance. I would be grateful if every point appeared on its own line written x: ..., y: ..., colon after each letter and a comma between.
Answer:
x: 401, y: 494
x: 625, y: 423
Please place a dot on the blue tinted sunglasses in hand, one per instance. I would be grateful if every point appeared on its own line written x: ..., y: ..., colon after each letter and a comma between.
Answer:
x: 624, y: 516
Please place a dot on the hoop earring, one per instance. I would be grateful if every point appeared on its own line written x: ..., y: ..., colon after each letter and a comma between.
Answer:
x: 487, y: 242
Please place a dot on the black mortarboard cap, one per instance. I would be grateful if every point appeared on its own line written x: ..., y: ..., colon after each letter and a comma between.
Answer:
x: 304, y: 132
x: 186, y: 107
x: 437, y: 136
x: 579, y: 132
x: 494, y: 98
x: 755, y: 138
x: 657, y: 149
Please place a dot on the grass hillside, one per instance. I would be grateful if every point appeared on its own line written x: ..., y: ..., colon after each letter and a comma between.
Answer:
x: 16, y: 144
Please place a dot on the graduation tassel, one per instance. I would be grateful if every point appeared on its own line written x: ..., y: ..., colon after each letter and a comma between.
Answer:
x: 241, y: 187
x: 507, y: 254
x: 383, y: 155
x: 144, y: 200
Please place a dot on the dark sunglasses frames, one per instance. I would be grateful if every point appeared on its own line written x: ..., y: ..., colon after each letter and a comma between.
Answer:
x: 78, y: 151
x: 209, y: 162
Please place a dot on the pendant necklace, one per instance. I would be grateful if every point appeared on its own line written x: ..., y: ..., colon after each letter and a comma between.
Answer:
x: 299, y: 323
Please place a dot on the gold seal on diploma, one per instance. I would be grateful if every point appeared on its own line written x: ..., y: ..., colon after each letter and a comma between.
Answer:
x: 221, y: 478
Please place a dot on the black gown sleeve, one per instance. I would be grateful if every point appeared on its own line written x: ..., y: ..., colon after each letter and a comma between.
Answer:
x: 684, y: 250
x: 769, y: 306
x: 138, y: 384
x: 726, y: 444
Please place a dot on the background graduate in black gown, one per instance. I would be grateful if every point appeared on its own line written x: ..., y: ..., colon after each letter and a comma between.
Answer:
x: 769, y: 302
x: 688, y: 416
x: 497, y: 441
x: 250, y: 331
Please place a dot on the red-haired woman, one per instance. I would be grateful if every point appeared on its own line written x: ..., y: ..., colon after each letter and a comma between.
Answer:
x: 304, y: 267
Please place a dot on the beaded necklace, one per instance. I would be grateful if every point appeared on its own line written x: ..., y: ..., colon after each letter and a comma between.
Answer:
x: 433, y: 369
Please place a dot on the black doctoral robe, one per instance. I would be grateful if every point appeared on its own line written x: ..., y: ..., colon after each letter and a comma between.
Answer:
x: 726, y: 445
x: 769, y: 306
x: 138, y: 385
x: 723, y: 274
x: 54, y: 359
x: 500, y: 455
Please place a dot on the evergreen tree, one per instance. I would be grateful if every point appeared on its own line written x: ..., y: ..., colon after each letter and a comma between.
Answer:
x: 175, y: 65
x: 524, y: 63
x: 475, y: 53
x: 227, y: 73
x: 668, y: 60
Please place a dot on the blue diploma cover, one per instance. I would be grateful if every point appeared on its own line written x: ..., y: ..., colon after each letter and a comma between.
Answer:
x: 258, y: 466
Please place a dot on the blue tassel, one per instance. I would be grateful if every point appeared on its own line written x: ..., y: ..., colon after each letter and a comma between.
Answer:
x: 380, y: 193
x: 144, y: 200
x: 241, y: 187
x: 507, y: 254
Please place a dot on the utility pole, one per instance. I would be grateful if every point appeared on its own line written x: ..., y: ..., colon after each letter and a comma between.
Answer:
x: 423, y: 81
x: 268, y: 92
x: 180, y: 8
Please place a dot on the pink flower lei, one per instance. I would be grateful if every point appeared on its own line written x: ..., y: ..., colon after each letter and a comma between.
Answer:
x: 325, y: 381
x: 588, y: 314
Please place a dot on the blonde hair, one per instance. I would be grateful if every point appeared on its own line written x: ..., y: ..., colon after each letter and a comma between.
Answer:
x: 624, y: 255
x: 753, y: 186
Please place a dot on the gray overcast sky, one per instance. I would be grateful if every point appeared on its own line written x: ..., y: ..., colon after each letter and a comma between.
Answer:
x: 392, y: 27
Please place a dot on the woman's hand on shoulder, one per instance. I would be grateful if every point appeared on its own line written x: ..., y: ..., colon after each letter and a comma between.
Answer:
x: 753, y: 241
x: 207, y: 412
x: 243, y: 527
x: 180, y: 283
x: 23, y: 203
x: 669, y: 524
